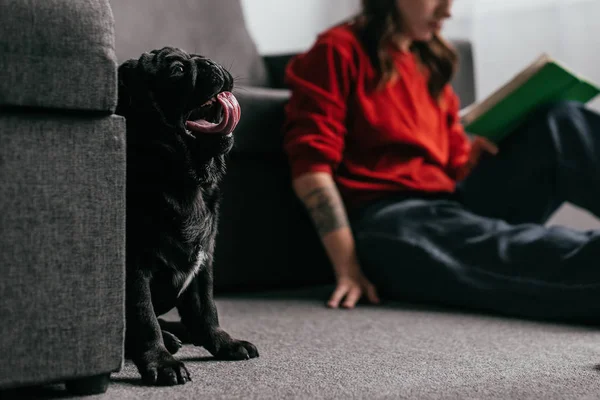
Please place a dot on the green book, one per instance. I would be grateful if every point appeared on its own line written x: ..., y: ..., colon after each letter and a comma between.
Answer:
x: 542, y: 82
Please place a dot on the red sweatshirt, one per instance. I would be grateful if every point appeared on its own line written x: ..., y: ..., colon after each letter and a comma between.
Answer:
x: 374, y: 142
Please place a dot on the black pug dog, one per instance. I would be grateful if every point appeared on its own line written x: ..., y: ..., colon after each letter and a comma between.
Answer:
x: 180, y: 115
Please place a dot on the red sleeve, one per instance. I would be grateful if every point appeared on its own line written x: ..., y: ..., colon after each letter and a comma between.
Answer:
x: 460, y: 144
x: 314, y: 128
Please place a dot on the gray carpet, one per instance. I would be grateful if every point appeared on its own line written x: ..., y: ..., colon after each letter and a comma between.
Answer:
x: 387, y: 352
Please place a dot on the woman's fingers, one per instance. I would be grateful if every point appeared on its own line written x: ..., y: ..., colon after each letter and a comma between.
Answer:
x: 337, y: 296
x: 348, y: 292
x: 372, y: 294
x: 480, y: 145
x: 486, y: 145
x: 352, y: 297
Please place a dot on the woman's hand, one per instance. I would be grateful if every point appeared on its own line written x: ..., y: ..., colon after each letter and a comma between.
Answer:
x: 479, y: 146
x: 349, y: 290
x: 322, y: 199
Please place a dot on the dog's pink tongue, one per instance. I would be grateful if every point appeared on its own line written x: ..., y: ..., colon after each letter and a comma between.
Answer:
x: 231, y: 116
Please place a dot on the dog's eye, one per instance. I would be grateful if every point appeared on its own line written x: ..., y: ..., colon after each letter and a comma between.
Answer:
x: 177, y: 70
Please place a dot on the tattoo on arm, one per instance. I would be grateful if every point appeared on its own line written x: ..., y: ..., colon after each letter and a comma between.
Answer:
x: 326, y: 209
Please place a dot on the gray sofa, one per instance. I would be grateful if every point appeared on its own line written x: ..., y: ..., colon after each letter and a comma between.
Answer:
x: 62, y: 213
x: 270, y: 223
x: 62, y: 187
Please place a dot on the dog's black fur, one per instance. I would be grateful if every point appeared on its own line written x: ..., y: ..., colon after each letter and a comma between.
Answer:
x: 173, y: 180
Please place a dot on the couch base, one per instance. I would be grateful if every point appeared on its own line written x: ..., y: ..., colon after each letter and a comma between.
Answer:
x: 62, y: 238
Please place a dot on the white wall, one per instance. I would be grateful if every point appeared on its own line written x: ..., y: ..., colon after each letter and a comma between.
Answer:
x: 506, y: 36
x: 291, y: 25
x: 509, y: 34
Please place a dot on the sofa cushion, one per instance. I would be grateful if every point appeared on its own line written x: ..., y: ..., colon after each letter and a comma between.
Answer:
x: 212, y: 28
x: 57, y: 54
x: 259, y: 131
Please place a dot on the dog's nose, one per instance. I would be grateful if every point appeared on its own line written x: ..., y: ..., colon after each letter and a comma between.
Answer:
x: 210, y: 67
x: 219, y: 74
x: 208, y: 63
x: 212, y: 63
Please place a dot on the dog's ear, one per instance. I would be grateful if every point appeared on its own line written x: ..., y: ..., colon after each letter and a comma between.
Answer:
x: 126, y: 80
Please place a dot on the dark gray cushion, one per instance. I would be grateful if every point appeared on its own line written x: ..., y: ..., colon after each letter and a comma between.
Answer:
x: 259, y: 129
x: 212, y: 28
x: 62, y: 246
x: 265, y: 238
x: 57, y: 54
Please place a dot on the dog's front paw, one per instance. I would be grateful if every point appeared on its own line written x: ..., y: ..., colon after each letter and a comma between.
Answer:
x: 161, y: 368
x: 236, y: 350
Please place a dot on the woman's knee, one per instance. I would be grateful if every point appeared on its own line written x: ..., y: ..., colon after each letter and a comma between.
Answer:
x: 562, y: 109
x: 556, y: 122
x: 548, y: 115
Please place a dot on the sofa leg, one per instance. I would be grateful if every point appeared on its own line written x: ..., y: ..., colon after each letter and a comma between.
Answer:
x: 96, y: 384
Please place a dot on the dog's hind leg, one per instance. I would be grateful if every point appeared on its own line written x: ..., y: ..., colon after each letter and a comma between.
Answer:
x: 172, y: 342
x: 176, y: 328
x: 174, y: 335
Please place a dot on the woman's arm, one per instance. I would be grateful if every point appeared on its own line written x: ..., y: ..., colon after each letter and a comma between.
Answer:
x: 321, y: 81
x: 322, y: 199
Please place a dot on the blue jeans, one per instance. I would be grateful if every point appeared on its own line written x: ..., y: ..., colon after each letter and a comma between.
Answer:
x: 485, y: 246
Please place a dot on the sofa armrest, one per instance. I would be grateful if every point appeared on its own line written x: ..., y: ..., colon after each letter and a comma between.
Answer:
x: 259, y: 129
x: 276, y: 65
x: 464, y: 80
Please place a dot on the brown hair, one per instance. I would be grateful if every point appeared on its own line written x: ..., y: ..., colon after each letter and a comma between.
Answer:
x: 378, y: 23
